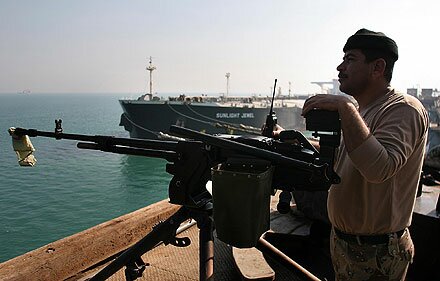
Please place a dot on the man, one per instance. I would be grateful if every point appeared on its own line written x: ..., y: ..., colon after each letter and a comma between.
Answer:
x: 379, y: 162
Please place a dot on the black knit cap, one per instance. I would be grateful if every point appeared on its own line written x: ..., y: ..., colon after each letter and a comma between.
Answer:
x: 367, y: 39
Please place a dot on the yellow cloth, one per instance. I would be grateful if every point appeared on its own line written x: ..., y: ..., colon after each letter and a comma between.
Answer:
x: 23, y: 148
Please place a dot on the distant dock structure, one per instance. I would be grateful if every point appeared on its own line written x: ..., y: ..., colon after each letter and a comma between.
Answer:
x: 325, y: 89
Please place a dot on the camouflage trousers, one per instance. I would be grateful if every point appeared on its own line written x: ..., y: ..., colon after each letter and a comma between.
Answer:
x: 355, y: 261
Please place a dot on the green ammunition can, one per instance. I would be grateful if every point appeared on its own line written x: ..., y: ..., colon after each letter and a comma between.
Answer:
x: 241, y: 190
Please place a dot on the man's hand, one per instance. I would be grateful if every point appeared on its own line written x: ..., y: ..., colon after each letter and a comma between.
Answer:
x: 326, y: 102
x: 353, y: 126
x: 276, y: 130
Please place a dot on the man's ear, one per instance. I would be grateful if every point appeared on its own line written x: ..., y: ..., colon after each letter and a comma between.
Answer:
x: 379, y: 66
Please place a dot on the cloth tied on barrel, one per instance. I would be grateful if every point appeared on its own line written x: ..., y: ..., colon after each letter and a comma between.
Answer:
x: 23, y: 148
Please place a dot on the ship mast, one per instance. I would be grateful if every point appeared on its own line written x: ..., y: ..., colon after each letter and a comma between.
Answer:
x: 227, y: 83
x: 150, y: 68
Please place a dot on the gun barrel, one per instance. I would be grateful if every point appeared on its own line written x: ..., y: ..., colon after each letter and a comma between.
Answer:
x: 247, y: 149
x: 170, y: 156
x: 107, y: 140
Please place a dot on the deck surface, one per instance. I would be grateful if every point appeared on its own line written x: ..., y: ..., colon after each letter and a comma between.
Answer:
x: 425, y: 204
x: 168, y: 263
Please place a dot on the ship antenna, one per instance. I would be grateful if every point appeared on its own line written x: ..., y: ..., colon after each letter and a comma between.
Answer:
x: 271, y: 119
x: 273, y: 97
x: 150, y: 68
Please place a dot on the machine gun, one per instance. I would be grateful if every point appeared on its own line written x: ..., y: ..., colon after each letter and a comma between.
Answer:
x: 193, y: 162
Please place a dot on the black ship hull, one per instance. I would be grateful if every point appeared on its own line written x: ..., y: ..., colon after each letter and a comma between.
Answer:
x: 149, y: 119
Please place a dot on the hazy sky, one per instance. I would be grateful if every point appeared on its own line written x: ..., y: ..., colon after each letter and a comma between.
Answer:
x: 103, y: 46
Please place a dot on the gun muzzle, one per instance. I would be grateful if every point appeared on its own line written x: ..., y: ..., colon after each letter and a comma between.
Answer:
x: 23, y: 147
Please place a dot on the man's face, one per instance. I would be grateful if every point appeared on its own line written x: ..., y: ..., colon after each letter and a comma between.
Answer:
x: 354, y: 73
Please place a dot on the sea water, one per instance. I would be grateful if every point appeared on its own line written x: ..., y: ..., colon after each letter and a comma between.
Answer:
x: 69, y: 190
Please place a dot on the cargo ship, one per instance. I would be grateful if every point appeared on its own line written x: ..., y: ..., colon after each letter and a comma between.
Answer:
x: 150, y: 116
x: 243, y: 115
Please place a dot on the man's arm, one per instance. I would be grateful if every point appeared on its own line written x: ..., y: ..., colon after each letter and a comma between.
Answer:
x: 377, y: 157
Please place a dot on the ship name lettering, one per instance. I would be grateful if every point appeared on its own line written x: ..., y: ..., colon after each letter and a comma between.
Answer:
x: 247, y: 115
x: 227, y: 115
